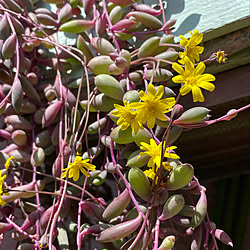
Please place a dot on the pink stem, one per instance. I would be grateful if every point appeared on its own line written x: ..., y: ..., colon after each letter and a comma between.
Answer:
x: 125, y: 181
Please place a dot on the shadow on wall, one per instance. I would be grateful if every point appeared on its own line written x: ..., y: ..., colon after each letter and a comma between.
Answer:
x: 190, y: 23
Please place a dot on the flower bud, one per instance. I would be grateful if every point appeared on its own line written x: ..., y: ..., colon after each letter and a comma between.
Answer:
x: 180, y: 177
x: 109, y: 86
x: 193, y: 115
x: 172, y: 207
x: 116, y: 207
x: 200, y: 210
x: 100, y: 65
x: 147, y: 19
x: 119, y: 231
x: 167, y: 243
x: 102, y: 46
x: 77, y: 26
x: 139, y: 183
x: 148, y: 47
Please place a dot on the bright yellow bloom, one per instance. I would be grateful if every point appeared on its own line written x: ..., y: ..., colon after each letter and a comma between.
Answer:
x: 192, y: 51
x: 2, y: 178
x: 128, y: 117
x: 150, y: 173
x: 193, y: 79
x: 7, y: 163
x: 167, y: 166
x: 154, y: 151
x: 220, y: 56
x: 152, y: 106
x: 74, y: 167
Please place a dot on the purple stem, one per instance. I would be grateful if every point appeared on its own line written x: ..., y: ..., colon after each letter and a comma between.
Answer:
x: 125, y: 181
x: 138, y: 236
x: 110, y: 25
x: 157, y: 229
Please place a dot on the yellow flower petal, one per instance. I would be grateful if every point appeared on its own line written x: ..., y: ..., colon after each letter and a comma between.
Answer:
x: 177, y: 67
x: 185, y: 89
x: 200, y: 68
x: 197, y: 94
x: 207, y: 85
x: 178, y: 79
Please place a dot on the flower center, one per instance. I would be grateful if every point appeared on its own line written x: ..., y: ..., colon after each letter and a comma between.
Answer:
x: 191, y: 80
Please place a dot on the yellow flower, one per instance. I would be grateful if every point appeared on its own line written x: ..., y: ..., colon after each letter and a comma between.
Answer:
x: 74, y: 167
x: 7, y: 163
x: 2, y: 178
x: 150, y: 174
x: 193, y: 79
x: 128, y: 117
x: 154, y: 151
x: 192, y: 51
x: 220, y: 56
x: 167, y: 166
x: 152, y: 106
